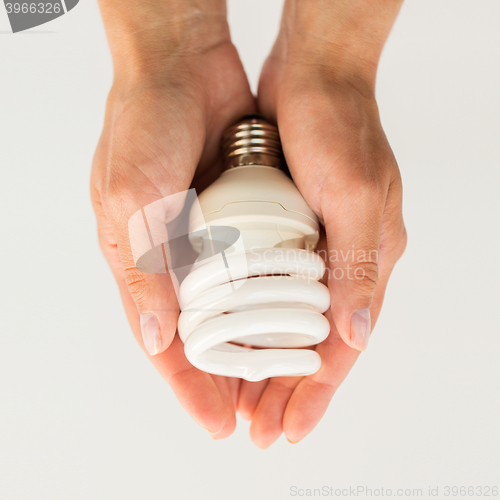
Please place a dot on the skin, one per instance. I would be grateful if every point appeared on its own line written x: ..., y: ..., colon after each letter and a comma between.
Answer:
x: 178, y: 84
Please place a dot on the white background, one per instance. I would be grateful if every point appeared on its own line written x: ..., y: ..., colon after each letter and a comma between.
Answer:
x: 82, y: 413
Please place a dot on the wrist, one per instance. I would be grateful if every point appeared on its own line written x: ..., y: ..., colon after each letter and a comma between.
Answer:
x: 343, y: 39
x: 150, y: 40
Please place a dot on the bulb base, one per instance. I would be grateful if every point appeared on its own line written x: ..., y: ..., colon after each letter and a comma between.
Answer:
x: 252, y: 141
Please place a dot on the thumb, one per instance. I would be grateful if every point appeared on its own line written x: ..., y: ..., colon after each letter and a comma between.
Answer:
x: 353, y: 230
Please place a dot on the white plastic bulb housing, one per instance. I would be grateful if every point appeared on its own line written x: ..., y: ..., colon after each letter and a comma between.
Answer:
x: 253, y: 310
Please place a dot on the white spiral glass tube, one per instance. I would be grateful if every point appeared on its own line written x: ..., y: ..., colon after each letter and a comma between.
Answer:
x: 252, y: 304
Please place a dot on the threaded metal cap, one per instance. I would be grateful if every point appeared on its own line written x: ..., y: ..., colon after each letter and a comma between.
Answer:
x: 252, y: 141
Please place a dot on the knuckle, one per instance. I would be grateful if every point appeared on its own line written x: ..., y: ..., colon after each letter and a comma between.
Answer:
x: 403, y: 242
x: 363, y: 187
x: 364, y: 198
x: 370, y: 182
x: 108, y: 247
x: 395, y: 244
x: 364, y: 279
x: 117, y: 189
x: 372, y: 187
x: 137, y: 285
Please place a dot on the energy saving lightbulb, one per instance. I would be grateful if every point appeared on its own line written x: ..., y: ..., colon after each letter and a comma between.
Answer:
x: 253, y: 309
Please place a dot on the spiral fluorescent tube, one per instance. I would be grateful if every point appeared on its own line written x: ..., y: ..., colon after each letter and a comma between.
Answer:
x: 250, y: 309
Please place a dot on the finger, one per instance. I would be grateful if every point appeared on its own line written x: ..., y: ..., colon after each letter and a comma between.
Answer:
x: 353, y: 227
x: 234, y: 387
x: 249, y: 396
x: 141, y: 163
x: 225, y: 391
x: 196, y: 390
x: 393, y: 241
x: 152, y: 294
x: 267, y: 421
x: 313, y: 394
x: 142, y: 242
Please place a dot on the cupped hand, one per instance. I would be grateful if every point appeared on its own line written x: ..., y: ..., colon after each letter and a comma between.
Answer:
x: 161, y: 136
x: 341, y: 162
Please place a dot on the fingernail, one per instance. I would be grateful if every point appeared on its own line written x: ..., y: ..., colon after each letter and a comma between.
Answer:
x: 291, y: 442
x: 360, y: 328
x: 215, y: 435
x: 150, y: 329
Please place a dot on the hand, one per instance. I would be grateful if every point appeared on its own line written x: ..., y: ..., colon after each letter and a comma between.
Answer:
x: 343, y: 165
x: 165, y: 115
